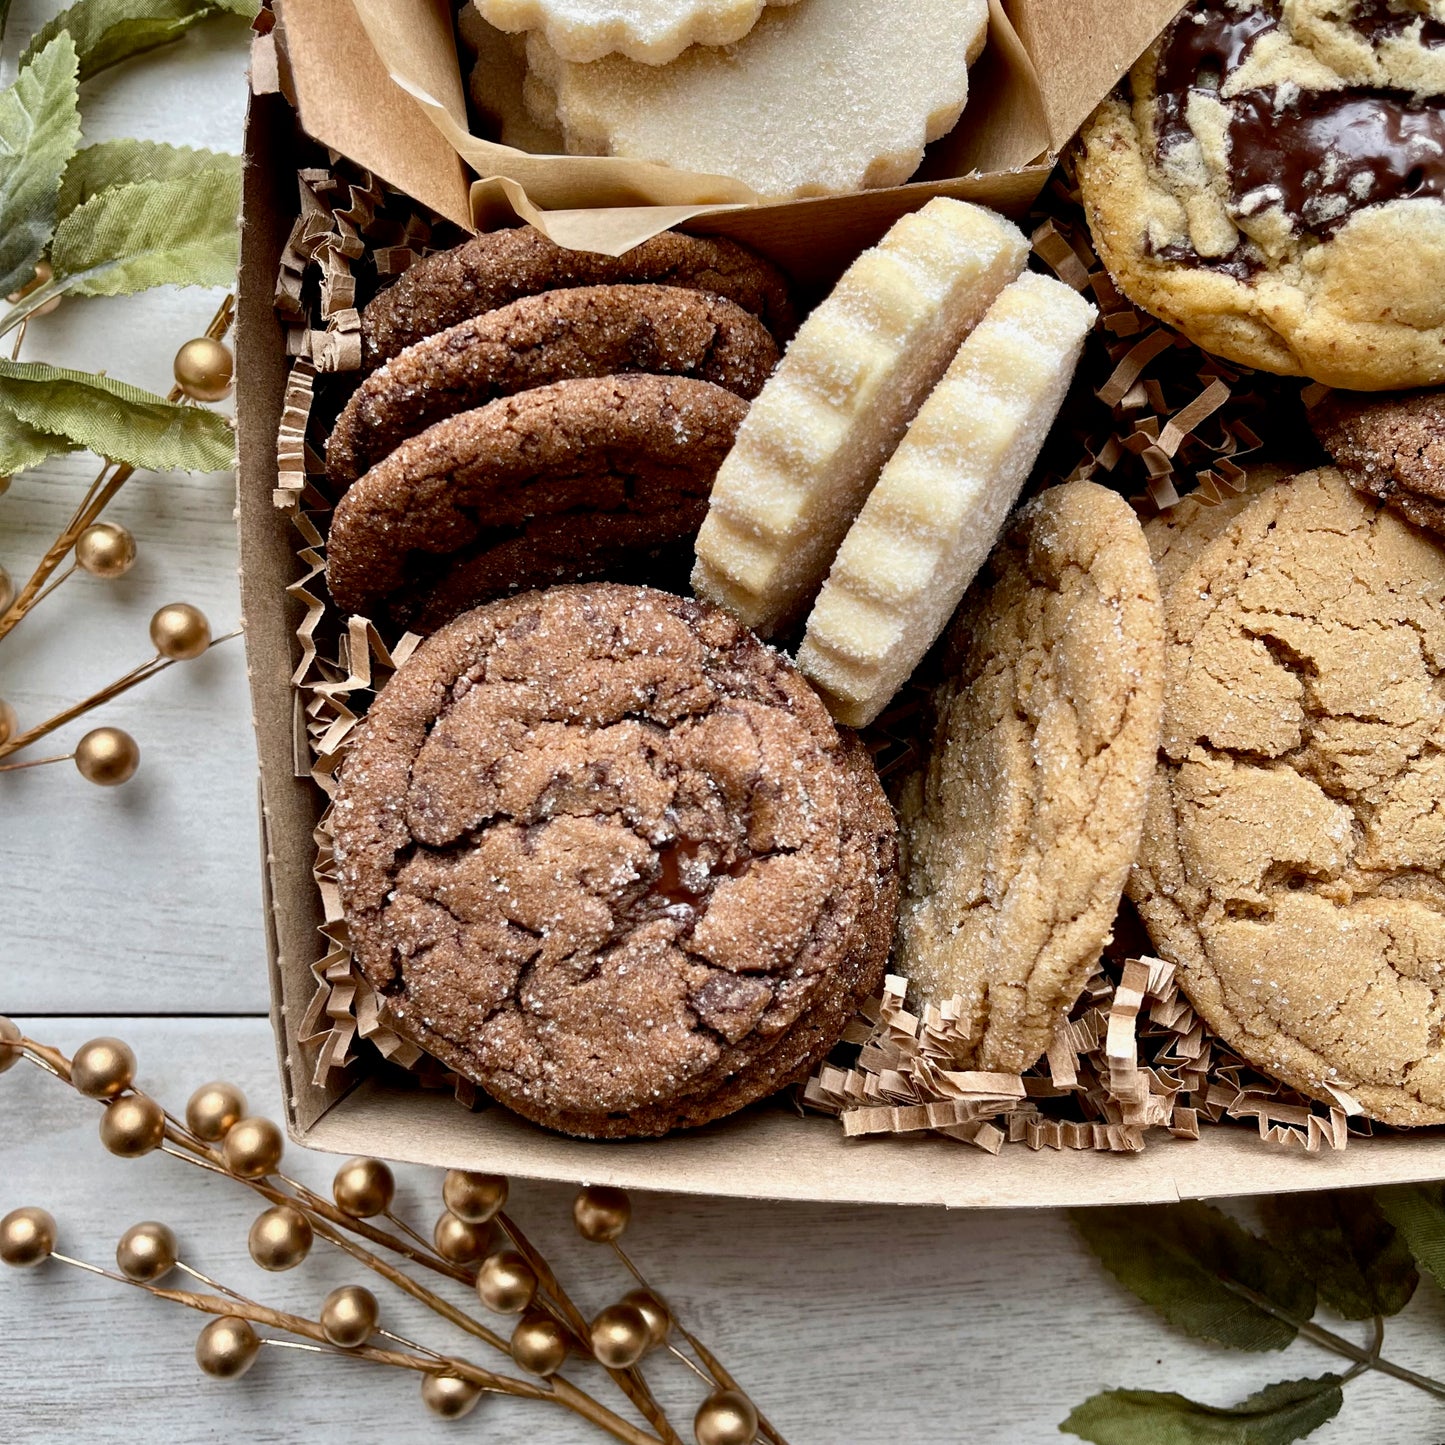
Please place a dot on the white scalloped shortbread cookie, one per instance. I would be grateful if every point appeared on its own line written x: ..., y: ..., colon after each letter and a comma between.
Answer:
x: 931, y: 521
x: 827, y: 419
x: 498, y: 75
x: 821, y: 98
x: 650, y: 31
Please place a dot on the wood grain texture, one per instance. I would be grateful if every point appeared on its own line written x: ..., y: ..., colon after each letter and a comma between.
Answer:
x: 913, y: 1327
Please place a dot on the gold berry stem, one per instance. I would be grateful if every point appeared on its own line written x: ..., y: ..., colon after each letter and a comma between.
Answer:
x: 103, y: 488
x: 720, y: 1375
x: 630, y: 1382
x: 133, y: 678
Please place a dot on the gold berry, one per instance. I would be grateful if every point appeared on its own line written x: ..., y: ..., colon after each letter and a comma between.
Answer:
x: 726, y: 1417
x: 460, y: 1242
x: 475, y: 1198
x: 132, y: 1125
x: 27, y: 1237
x: 107, y: 756
x: 449, y: 1396
x: 349, y: 1315
x: 180, y: 631
x: 10, y: 1037
x: 106, y: 550
x: 227, y: 1348
x: 44, y: 275
x: 619, y: 1336
x: 203, y: 369
x: 7, y: 590
x: 102, y: 1068
x: 252, y: 1147
x: 147, y: 1252
x: 8, y: 721
x: 601, y: 1213
x: 213, y: 1110
x: 363, y: 1188
x: 506, y: 1282
x: 539, y: 1344
x: 654, y: 1311
x: 280, y: 1238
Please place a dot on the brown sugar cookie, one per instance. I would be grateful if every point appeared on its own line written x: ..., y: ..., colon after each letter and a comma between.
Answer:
x: 1293, y: 861
x: 555, y: 336
x: 604, y: 852
x: 1392, y: 447
x: 568, y: 481
x: 502, y: 266
x: 1019, y: 834
x: 1178, y: 536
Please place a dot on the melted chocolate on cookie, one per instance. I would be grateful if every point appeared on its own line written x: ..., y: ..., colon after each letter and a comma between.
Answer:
x: 1319, y: 156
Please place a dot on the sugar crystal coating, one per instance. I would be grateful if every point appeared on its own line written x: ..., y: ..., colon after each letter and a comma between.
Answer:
x: 828, y: 418
x: 934, y: 515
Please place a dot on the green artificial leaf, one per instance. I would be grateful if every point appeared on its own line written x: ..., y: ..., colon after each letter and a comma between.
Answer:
x: 23, y: 446
x: 39, y: 130
x: 178, y: 232
x: 1418, y: 1212
x: 109, y: 31
x: 124, y: 162
x: 1198, y: 1269
x: 1275, y: 1416
x: 1359, y: 1263
x: 115, y: 420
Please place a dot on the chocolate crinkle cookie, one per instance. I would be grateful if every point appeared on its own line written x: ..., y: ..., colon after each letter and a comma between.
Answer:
x: 604, y: 853
x: 1392, y: 447
x: 497, y: 268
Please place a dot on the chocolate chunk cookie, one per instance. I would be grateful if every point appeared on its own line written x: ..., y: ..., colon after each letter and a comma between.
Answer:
x: 603, y: 852
x: 1019, y: 835
x: 555, y: 336
x: 1293, y: 861
x: 1273, y: 185
x: 503, y: 266
x: 574, y: 480
x: 1392, y: 447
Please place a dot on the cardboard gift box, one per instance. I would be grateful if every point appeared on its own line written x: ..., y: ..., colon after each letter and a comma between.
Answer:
x: 386, y: 92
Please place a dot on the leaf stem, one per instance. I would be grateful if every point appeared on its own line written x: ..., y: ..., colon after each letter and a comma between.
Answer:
x: 1369, y: 1359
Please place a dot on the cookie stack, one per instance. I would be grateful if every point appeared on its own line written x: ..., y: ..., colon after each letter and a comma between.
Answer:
x: 535, y: 415
x: 731, y: 88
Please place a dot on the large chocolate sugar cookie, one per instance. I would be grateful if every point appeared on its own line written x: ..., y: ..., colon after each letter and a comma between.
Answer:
x: 603, y: 852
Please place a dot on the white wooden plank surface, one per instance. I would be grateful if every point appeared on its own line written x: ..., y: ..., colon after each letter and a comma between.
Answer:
x: 849, y: 1325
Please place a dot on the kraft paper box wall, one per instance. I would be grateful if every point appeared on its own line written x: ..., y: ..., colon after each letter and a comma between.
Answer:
x: 1048, y: 64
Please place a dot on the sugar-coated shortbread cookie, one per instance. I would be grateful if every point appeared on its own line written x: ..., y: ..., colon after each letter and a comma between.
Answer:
x: 554, y: 336
x: 1273, y: 185
x: 1293, y: 860
x: 1019, y: 834
x: 650, y: 31
x: 603, y: 852
x: 843, y: 394
x: 496, y: 82
x: 602, y: 476
x: 932, y: 519
x: 821, y: 98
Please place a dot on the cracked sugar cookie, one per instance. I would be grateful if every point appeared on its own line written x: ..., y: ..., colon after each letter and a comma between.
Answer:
x: 650, y: 31
x: 1272, y: 184
x: 603, y: 852
x: 1019, y: 834
x: 820, y: 98
x: 1293, y: 861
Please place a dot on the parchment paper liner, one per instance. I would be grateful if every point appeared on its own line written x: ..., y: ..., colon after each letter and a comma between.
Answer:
x: 382, y: 84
